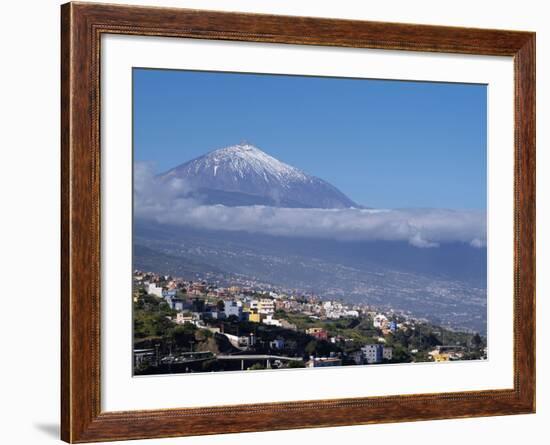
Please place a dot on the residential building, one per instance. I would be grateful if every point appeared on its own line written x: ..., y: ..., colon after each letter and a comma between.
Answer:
x: 233, y: 308
x: 175, y: 303
x: 182, y: 318
x: 358, y: 357
x: 278, y: 343
x: 263, y: 306
x: 169, y: 293
x: 351, y: 313
x: 217, y: 315
x: 198, y: 305
x: 438, y: 356
x: 155, y: 290
x: 198, y: 288
x: 269, y: 320
x: 380, y: 321
x: 446, y: 353
x: 318, y: 333
x: 254, y: 317
x: 373, y: 353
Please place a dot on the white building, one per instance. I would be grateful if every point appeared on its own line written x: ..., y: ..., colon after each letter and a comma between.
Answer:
x: 181, y: 318
x: 321, y: 362
x: 263, y: 306
x: 373, y: 353
x: 269, y: 320
x: 174, y: 303
x: 234, y: 308
x: 380, y: 321
x: 153, y: 289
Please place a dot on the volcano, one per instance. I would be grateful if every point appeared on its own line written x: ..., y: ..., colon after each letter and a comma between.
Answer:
x: 242, y: 175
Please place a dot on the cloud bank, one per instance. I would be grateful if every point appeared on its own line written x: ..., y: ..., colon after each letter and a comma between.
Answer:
x: 170, y: 203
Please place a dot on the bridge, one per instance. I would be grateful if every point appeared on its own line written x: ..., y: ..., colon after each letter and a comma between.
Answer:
x: 257, y: 357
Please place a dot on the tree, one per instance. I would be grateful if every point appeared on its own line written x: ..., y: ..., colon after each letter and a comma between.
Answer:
x: 311, y: 347
x: 420, y: 340
x: 256, y: 366
x: 140, y: 329
x: 233, y: 319
x: 400, y: 355
x: 203, y: 335
x: 220, y: 305
x: 401, y: 337
x: 477, y: 341
x: 296, y: 364
x: 183, y: 335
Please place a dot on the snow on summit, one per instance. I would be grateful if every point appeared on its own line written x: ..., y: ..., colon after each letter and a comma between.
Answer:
x: 243, y: 174
x: 243, y: 158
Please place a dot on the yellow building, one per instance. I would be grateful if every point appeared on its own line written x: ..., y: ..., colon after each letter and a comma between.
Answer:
x: 438, y: 356
x: 254, y: 317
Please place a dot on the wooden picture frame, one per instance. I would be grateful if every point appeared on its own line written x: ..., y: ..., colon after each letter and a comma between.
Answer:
x: 82, y: 25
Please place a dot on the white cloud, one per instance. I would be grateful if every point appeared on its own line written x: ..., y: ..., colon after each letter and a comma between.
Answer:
x: 169, y: 203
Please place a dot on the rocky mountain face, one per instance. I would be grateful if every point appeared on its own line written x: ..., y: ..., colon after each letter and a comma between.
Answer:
x: 245, y: 175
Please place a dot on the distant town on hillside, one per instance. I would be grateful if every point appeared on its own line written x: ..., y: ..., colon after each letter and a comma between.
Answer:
x: 184, y: 326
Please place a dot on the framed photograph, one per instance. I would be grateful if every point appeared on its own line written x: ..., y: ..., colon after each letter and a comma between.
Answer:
x: 274, y: 222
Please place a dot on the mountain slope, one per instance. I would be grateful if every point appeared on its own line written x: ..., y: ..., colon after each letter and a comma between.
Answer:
x: 446, y: 285
x: 245, y: 175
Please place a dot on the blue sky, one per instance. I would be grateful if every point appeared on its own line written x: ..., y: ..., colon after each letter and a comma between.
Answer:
x: 390, y: 144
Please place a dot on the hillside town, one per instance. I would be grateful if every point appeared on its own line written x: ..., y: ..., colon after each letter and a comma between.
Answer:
x: 200, y: 326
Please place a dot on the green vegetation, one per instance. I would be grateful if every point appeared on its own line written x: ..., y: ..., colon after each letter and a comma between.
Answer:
x: 151, y: 318
x: 256, y: 366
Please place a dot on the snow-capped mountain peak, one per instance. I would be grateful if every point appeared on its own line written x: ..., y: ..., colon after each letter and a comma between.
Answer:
x: 244, y: 158
x: 243, y: 174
